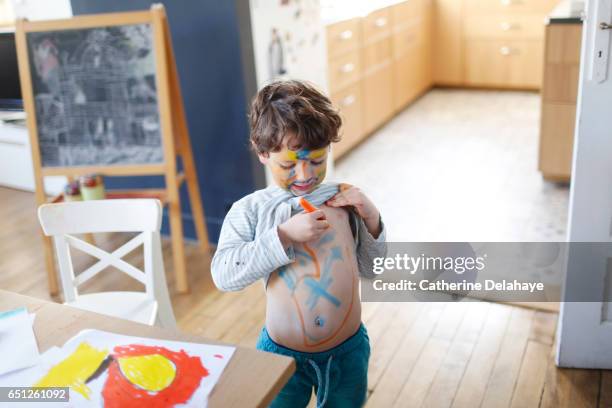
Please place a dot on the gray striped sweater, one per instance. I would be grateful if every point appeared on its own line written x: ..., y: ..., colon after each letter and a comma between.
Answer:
x: 249, y: 248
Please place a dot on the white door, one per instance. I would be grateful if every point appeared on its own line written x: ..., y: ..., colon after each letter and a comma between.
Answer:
x: 585, y: 328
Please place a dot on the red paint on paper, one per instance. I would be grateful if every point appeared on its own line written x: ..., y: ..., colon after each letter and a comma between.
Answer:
x: 120, y: 392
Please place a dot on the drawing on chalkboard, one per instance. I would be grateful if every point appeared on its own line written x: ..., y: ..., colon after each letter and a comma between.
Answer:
x: 95, y: 96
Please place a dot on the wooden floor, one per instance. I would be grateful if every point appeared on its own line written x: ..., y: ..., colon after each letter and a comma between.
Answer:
x: 465, y: 354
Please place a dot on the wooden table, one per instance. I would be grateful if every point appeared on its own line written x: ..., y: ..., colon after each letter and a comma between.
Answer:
x: 251, y: 379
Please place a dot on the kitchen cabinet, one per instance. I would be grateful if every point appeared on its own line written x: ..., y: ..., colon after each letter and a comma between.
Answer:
x: 377, y: 65
x: 411, y: 51
x: 344, y: 75
x: 394, y: 54
x: 377, y: 79
x: 473, y: 39
x: 503, y: 42
x: 559, y: 94
x: 447, y: 59
x: 350, y: 103
x: 504, y: 63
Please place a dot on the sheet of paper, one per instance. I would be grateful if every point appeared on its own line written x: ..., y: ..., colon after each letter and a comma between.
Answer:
x: 100, y: 365
x: 17, y: 342
x: 27, y: 376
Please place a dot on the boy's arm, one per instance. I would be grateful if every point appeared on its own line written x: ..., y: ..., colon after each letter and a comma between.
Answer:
x: 240, y: 258
x: 369, y: 247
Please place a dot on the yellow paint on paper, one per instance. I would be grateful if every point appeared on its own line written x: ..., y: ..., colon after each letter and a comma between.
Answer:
x: 75, y: 369
x: 152, y: 372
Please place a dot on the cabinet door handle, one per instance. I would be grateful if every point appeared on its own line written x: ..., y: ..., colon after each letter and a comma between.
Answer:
x: 506, y: 26
x: 346, y: 68
x: 346, y: 35
x: 380, y: 22
x: 348, y: 100
x: 511, y: 2
x: 505, y: 51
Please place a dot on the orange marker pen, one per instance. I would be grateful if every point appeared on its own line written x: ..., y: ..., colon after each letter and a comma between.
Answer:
x: 307, y: 206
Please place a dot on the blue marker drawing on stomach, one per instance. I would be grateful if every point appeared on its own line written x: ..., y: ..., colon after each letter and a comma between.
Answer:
x: 317, y: 283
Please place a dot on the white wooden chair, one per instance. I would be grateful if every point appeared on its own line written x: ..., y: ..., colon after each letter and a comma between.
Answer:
x: 63, y: 220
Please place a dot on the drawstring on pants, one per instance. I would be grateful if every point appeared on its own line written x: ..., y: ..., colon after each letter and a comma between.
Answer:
x: 322, y: 387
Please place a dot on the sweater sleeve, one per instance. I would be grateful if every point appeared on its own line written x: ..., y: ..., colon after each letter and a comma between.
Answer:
x: 240, y: 258
x: 369, y: 248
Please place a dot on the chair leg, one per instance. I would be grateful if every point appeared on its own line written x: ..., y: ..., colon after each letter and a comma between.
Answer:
x: 50, y: 265
x: 165, y: 317
x: 165, y: 314
x: 178, y: 250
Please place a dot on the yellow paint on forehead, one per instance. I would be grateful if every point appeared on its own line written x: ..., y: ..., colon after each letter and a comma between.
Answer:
x: 295, y: 155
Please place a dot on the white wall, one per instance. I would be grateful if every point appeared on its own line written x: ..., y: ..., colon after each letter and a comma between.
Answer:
x: 42, y: 9
x: 302, y: 36
x: 16, y: 166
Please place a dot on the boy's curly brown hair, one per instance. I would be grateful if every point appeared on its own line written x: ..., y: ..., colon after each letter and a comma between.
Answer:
x: 292, y: 107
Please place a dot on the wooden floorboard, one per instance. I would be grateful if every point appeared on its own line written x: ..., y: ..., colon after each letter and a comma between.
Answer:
x: 502, y: 380
x: 469, y: 354
x: 474, y: 382
x: 605, y: 390
x: 530, y: 382
x: 388, y: 345
x: 446, y: 382
x: 571, y: 388
x: 401, y: 366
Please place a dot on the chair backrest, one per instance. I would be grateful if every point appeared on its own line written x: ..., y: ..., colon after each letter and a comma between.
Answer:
x: 63, y: 220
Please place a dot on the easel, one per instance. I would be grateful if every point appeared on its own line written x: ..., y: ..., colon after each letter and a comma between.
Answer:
x: 174, y: 133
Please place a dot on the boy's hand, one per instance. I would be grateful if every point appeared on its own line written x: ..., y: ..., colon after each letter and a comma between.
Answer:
x: 352, y: 196
x: 302, y: 227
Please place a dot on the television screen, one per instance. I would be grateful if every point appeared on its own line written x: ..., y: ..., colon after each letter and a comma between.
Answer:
x: 10, y: 90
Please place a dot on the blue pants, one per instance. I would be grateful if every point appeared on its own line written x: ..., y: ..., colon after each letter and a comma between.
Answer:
x: 339, y: 376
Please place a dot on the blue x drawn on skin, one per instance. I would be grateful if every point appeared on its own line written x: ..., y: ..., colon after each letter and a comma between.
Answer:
x: 318, y: 288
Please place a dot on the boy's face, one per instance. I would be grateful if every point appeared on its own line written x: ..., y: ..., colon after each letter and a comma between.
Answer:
x: 297, y: 171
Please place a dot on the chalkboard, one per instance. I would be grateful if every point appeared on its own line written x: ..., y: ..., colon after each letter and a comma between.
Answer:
x: 102, y: 95
x: 95, y: 96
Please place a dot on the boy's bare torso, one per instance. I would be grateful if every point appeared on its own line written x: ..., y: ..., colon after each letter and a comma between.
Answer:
x: 313, y: 303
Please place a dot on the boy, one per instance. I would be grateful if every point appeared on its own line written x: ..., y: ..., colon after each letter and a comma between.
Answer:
x: 309, y: 261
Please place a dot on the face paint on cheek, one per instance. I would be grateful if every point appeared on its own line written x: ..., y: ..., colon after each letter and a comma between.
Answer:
x: 302, y: 170
x: 291, y: 177
x: 321, y: 174
x: 283, y: 177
